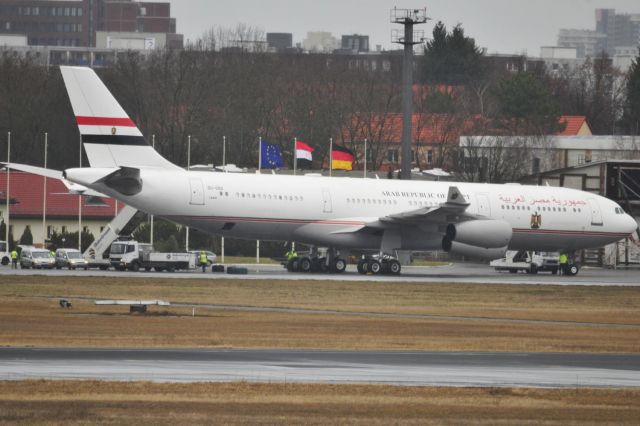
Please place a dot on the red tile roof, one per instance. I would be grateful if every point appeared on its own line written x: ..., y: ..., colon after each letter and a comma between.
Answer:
x: 438, y: 128
x: 26, y: 190
x: 574, y: 124
x: 441, y: 128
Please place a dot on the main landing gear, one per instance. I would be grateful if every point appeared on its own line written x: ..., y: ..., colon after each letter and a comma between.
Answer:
x: 375, y: 265
x: 331, y: 263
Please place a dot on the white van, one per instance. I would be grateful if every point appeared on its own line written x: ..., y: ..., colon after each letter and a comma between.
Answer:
x: 32, y: 257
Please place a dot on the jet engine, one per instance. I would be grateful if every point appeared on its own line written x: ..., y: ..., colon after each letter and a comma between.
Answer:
x: 479, y: 239
x: 479, y: 233
x: 474, y: 252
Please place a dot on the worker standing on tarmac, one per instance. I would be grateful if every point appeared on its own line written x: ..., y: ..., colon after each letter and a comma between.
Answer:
x: 564, y: 263
x: 203, y: 260
x: 14, y: 259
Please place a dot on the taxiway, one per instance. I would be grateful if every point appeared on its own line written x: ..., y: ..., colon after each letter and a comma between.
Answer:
x: 398, y: 368
x: 471, y: 273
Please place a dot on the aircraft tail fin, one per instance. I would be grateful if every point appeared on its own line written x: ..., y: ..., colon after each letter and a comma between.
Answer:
x: 110, y: 138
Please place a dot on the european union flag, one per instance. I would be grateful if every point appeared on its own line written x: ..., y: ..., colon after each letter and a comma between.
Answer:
x: 271, y: 156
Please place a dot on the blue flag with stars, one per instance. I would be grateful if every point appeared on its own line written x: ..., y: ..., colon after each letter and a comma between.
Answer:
x: 271, y: 156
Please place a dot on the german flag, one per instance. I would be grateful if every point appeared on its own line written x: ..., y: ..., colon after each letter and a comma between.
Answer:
x: 341, y: 158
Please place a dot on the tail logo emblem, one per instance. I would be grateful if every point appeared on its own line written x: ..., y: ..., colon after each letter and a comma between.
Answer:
x: 113, y: 130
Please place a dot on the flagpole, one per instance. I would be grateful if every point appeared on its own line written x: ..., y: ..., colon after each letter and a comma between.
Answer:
x: 330, y: 156
x: 295, y: 153
x: 224, y: 153
x: 224, y: 167
x: 44, y: 197
x: 153, y: 145
x: 186, y: 236
x: 365, y: 158
x: 259, y: 153
x: 9, y: 243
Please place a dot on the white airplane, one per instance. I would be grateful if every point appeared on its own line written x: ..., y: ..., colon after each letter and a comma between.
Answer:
x: 476, y: 220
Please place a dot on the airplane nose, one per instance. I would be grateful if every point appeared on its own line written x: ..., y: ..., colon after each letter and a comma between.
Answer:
x: 630, y: 224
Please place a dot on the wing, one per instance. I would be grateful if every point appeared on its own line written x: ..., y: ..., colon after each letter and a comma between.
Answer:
x: 452, y: 210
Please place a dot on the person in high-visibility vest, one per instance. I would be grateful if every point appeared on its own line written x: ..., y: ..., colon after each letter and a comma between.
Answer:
x: 204, y: 260
x: 14, y: 259
x: 291, y: 254
x: 564, y: 263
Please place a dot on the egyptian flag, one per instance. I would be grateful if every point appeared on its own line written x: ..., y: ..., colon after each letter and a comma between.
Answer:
x: 303, y: 155
x: 341, y: 158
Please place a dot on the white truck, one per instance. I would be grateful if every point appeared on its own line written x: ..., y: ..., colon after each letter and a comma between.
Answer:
x: 133, y: 256
x: 4, y: 252
x: 530, y: 262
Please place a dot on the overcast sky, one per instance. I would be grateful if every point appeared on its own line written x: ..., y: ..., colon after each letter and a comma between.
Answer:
x: 505, y: 26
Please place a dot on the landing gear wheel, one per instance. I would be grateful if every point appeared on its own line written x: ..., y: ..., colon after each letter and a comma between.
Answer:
x: 363, y: 266
x: 305, y: 264
x: 339, y: 265
x: 375, y: 267
x: 293, y: 265
x: 394, y: 267
x: 572, y: 270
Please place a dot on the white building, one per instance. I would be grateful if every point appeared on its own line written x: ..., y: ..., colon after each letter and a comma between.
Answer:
x: 320, y: 41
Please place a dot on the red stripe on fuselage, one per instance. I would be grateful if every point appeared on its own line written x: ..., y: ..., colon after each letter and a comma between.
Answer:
x: 105, y: 121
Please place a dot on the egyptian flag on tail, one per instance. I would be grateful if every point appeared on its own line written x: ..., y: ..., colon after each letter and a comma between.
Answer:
x: 304, y: 155
x: 341, y: 158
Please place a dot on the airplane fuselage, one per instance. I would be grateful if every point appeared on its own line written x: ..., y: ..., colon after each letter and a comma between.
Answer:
x: 328, y: 211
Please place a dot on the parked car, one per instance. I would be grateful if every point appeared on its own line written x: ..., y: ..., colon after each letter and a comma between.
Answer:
x: 70, y: 258
x: 211, y: 256
x: 31, y: 257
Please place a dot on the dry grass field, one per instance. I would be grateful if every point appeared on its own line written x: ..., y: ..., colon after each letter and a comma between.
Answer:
x: 81, y: 402
x: 557, y: 318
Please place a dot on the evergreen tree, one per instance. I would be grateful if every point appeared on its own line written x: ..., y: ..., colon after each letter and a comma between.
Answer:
x: 26, y: 239
x: 526, y: 107
x: 451, y: 58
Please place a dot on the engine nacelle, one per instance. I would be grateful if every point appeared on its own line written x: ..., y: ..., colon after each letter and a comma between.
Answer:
x: 473, y: 252
x: 480, y: 233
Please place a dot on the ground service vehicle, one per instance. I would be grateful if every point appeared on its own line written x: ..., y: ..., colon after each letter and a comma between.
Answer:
x: 36, y: 258
x: 530, y: 262
x: 70, y: 258
x: 4, y: 252
x: 133, y: 256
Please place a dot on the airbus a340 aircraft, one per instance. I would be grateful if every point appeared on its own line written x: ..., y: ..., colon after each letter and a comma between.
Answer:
x: 477, y: 220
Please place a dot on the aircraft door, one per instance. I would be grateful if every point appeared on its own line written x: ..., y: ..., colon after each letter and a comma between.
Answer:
x: 484, y: 208
x: 326, y: 201
x: 596, y: 214
x: 197, y: 191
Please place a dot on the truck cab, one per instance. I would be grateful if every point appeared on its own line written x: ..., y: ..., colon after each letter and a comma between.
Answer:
x: 123, y: 253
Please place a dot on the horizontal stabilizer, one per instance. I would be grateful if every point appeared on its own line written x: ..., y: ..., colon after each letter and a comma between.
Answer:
x: 73, y: 188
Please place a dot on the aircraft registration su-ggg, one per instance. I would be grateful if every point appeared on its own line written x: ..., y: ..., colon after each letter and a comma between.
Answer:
x: 474, y: 220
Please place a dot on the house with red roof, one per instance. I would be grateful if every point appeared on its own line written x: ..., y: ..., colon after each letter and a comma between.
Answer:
x: 434, y: 136
x: 575, y: 125
x: 64, y: 211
